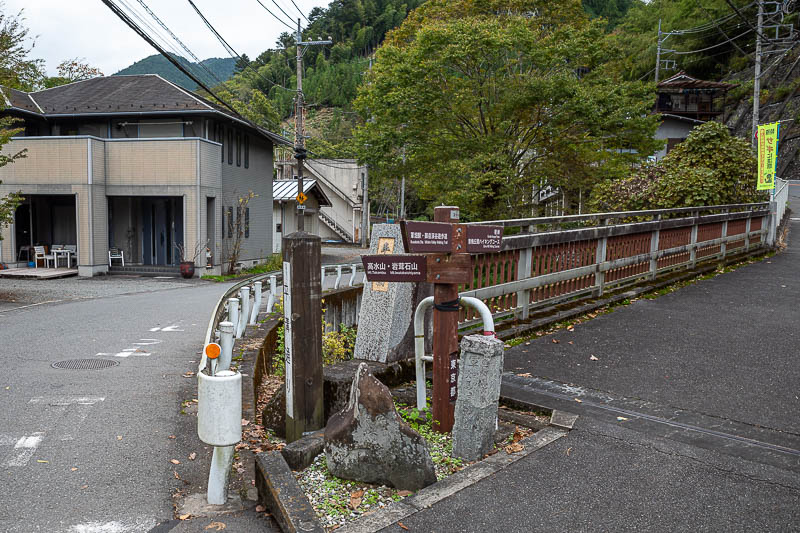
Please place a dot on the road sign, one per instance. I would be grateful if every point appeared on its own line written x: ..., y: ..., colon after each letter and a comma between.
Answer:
x: 301, y: 198
x: 395, y: 267
x: 301, y: 207
x: 481, y: 239
x: 428, y: 236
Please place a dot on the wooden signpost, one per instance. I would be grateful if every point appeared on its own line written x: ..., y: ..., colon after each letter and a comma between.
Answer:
x: 443, y: 247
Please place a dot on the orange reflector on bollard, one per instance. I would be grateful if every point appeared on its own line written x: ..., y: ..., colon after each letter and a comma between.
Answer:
x: 213, y: 350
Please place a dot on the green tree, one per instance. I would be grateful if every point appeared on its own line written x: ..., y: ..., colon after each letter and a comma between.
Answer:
x: 16, y: 69
x: 488, y: 102
x: 711, y: 167
x: 9, y: 203
x: 71, y: 70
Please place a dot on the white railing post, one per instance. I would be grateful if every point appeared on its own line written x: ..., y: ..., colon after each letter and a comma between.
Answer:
x: 273, y: 282
x: 226, y: 330
x: 338, y: 276
x: 693, y: 244
x: 600, y: 275
x: 654, y: 243
x: 322, y: 278
x: 524, y: 267
x: 747, y: 232
x: 723, y: 247
x: 773, y: 223
x: 244, y: 294
x: 256, y: 302
x: 233, y: 315
x: 353, y: 275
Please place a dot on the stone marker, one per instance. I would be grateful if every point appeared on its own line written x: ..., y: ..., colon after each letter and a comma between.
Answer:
x: 369, y: 442
x: 479, y: 373
x: 385, y: 328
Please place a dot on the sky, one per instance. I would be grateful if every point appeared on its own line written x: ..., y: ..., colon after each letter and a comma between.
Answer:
x: 90, y: 31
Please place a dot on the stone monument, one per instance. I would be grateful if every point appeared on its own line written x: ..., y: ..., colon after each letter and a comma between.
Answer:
x: 479, y: 373
x: 385, y: 322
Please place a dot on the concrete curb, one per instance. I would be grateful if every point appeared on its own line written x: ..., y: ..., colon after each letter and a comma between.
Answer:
x: 281, y: 494
x: 449, y: 486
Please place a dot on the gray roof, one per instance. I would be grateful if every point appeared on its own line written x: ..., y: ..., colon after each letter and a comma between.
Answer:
x: 118, y: 95
x: 286, y: 191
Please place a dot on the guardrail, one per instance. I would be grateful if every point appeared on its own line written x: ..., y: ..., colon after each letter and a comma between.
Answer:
x: 538, y: 269
x: 347, y: 272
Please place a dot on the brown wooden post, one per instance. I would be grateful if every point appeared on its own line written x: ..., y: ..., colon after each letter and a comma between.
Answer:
x: 445, y: 340
x: 302, y: 333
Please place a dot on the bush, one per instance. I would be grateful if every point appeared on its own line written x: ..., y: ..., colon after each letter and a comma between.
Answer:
x: 710, y: 167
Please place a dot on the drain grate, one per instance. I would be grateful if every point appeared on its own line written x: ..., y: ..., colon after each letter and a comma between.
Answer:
x: 85, y: 364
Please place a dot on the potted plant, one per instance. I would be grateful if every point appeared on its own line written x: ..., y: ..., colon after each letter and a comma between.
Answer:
x: 189, y: 257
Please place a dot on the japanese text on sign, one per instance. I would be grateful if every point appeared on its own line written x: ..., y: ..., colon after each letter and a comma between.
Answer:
x: 428, y: 236
x: 484, y: 238
x: 394, y: 267
x: 768, y: 135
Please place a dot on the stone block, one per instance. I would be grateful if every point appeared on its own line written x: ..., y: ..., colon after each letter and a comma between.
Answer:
x: 302, y: 452
x: 385, y: 322
x: 280, y: 493
x: 370, y: 443
x: 479, y: 373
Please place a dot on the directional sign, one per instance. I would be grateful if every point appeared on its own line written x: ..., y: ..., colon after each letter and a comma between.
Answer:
x: 301, y: 198
x: 395, y: 267
x: 481, y: 239
x: 428, y: 236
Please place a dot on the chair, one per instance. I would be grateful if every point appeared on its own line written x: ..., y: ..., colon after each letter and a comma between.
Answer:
x: 116, y: 253
x: 72, y: 250
x: 39, y: 253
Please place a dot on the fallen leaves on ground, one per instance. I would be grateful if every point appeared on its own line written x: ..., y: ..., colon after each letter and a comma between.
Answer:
x: 245, y: 422
x: 219, y: 526
x: 175, y: 473
x: 570, y: 328
x: 192, y: 456
x: 402, y: 525
x: 404, y: 493
x: 621, y: 419
x: 260, y: 508
x: 578, y: 400
x: 188, y: 374
x: 593, y: 358
x: 517, y: 435
x: 569, y: 450
x: 171, y: 437
x: 119, y: 437
x: 355, y: 499
x: 525, y: 375
x: 174, y: 461
x: 570, y: 342
x: 41, y: 461
x: 514, y: 448
x: 186, y: 516
x: 556, y: 341
x: 74, y: 468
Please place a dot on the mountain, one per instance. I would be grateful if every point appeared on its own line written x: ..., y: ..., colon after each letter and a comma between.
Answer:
x: 222, y: 69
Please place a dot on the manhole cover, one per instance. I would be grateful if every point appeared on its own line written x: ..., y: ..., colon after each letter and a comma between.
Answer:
x: 85, y: 364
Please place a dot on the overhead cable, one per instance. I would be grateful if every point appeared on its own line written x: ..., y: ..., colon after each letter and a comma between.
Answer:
x: 276, y: 16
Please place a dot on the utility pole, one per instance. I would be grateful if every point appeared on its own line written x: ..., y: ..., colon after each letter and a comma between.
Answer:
x: 364, y: 206
x: 658, y: 50
x: 403, y: 188
x: 757, y: 74
x: 300, y: 152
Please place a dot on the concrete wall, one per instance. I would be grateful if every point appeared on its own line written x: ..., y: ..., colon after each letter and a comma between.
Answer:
x: 286, y: 214
x: 671, y: 128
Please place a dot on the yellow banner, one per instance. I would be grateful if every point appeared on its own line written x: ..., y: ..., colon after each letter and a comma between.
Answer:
x: 767, y: 155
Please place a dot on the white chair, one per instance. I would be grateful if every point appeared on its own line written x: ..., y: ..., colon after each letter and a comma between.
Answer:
x: 39, y: 253
x: 72, y: 250
x: 116, y: 253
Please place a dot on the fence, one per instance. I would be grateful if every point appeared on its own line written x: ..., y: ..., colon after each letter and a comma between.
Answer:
x: 541, y: 268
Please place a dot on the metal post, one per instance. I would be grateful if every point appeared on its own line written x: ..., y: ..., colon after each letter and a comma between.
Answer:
x: 221, y: 462
x: 226, y: 330
x: 365, y: 207
x: 747, y: 232
x: 303, y: 336
x: 654, y: 242
x: 445, y: 339
x: 338, y: 276
x: 272, y: 288
x: 693, y: 245
x: 233, y: 314
x: 256, y: 302
x: 773, y: 223
x: 723, y: 247
x: 658, y: 50
x: 322, y: 277
x: 757, y: 74
x: 354, y: 268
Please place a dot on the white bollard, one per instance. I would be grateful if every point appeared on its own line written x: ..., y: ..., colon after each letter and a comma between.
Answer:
x: 272, y: 287
x: 322, y: 279
x: 256, y: 302
x: 244, y: 293
x: 353, y: 275
x: 226, y: 330
x: 221, y: 462
x: 338, y: 276
x: 233, y: 314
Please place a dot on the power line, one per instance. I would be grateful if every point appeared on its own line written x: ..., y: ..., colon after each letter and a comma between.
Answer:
x: 279, y: 7
x: 741, y: 16
x: 175, y: 37
x: 301, y: 13
x: 132, y: 25
x: 276, y: 16
x: 719, y: 28
x: 713, y: 45
x: 230, y: 49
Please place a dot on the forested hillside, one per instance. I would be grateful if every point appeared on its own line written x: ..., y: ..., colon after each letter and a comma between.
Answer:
x: 222, y: 69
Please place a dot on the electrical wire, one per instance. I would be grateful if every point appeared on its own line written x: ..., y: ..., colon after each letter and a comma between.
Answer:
x: 185, y: 48
x: 230, y: 49
x: 282, y: 11
x: 139, y: 31
x: 677, y: 53
x: 739, y: 13
x: 719, y: 28
x: 276, y: 16
x: 301, y: 13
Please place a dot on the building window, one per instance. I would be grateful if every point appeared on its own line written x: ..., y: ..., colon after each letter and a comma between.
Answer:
x: 230, y: 147
x: 230, y: 222
x: 246, y: 151
x: 278, y: 228
x: 247, y: 222
x: 238, y: 149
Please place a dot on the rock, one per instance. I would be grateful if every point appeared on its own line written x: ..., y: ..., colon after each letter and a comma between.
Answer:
x: 369, y: 442
x: 479, y: 374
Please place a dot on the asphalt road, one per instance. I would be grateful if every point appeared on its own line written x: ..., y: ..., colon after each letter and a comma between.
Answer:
x: 89, y: 450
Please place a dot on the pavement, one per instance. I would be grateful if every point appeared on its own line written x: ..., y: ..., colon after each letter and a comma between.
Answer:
x: 91, y: 451
x: 688, y: 408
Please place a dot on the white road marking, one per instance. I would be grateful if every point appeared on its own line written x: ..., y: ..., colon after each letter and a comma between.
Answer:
x: 68, y: 400
x: 112, y: 527
x: 171, y: 328
x: 26, y: 447
x: 147, y: 342
x: 154, y: 329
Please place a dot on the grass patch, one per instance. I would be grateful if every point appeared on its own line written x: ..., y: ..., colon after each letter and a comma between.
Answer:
x: 274, y: 264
